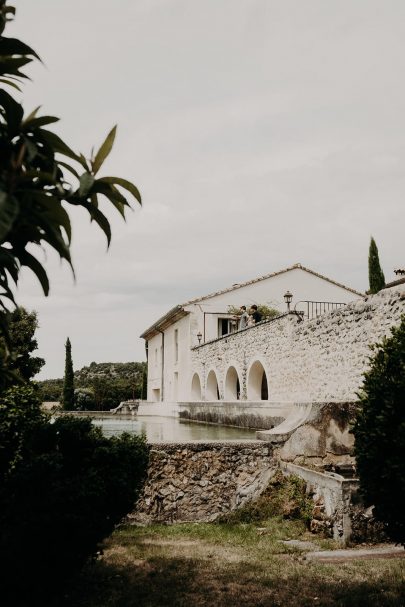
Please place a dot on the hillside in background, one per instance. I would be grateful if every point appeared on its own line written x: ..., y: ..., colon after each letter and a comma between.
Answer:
x: 101, y: 386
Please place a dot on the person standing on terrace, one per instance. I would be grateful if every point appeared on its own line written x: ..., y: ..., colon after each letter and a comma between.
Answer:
x: 256, y: 316
x: 243, y: 318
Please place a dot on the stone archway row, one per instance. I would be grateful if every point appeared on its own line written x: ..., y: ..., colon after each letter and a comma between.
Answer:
x: 256, y: 385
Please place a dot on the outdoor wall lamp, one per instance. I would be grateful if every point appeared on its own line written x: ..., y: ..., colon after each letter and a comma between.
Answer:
x: 288, y: 298
x: 199, y: 337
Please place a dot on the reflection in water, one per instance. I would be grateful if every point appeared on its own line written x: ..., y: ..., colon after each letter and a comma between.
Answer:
x: 170, y: 429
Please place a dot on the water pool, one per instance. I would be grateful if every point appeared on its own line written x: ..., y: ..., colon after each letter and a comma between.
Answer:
x: 170, y: 429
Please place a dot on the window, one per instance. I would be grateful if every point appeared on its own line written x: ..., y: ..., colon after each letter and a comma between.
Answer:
x: 226, y: 326
x: 176, y: 345
x: 175, y: 386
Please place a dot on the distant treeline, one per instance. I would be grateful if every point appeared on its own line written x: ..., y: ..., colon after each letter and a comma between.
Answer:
x: 100, y: 386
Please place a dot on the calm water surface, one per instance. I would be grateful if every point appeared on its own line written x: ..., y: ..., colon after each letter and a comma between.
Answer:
x: 169, y: 429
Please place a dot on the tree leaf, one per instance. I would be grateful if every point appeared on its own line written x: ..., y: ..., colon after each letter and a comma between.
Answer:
x: 26, y: 259
x: 58, y: 145
x: 10, y: 83
x: 86, y: 182
x: 84, y: 163
x: 54, y: 237
x: 31, y: 148
x: 40, y: 177
x: 34, y: 123
x: 67, y: 166
x: 10, y: 66
x: 52, y: 209
x: 12, y: 46
x: 104, y: 150
x: 114, y: 196
x: 9, y: 209
x: 97, y: 216
x: 13, y: 111
x: 127, y: 185
x: 8, y: 262
x: 32, y: 114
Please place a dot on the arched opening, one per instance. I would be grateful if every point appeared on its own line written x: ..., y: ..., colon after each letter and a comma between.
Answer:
x: 265, y: 388
x: 232, y: 385
x: 257, y: 388
x: 196, y: 388
x: 212, y: 390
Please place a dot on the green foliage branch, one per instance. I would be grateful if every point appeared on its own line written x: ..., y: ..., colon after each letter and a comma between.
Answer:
x: 23, y: 366
x: 379, y: 433
x: 40, y: 177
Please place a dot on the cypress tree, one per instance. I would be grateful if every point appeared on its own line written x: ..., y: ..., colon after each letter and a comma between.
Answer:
x: 68, y: 382
x: 375, y: 274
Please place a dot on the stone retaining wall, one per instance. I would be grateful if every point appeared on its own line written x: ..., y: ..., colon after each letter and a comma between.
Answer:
x: 201, y: 481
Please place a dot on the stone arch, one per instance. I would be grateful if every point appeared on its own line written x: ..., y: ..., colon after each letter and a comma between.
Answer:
x: 232, y: 384
x: 212, y: 388
x: 257, y: 384
x: 196, y: 388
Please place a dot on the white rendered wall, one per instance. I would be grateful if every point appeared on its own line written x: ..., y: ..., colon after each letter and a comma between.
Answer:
x: 154, y: 367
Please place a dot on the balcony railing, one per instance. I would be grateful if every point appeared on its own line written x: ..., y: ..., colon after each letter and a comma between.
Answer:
x: 312, y: 309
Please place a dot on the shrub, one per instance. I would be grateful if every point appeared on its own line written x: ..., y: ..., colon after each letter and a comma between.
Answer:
x: 67, y: 489
x: 284, y: 496
x: 84, y: 399
x: 19, y: 414
x: 379, y: 433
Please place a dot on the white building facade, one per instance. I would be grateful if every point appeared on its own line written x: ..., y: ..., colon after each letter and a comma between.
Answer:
x: 171, y: 338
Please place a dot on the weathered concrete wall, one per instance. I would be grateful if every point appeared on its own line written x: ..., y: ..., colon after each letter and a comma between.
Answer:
x: 318, y: 360
x: 317, y: 434
x: 332, y: 496
x: 201, y: 481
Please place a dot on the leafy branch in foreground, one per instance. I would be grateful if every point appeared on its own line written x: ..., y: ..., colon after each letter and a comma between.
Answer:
x: 379, y: 433
x: 39, y: 176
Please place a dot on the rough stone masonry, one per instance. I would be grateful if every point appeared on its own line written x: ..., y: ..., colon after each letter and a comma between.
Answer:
x: 318, y: 360
x: 201, y: 481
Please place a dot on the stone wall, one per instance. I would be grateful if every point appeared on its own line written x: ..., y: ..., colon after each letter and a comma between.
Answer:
x: 316, y: 360
x: 201, y: 481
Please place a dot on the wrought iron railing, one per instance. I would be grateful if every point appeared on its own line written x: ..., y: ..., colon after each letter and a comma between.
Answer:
x: 312, y: 309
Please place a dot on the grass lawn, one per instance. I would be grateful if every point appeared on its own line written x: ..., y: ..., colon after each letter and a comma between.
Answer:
x: 195, y: 565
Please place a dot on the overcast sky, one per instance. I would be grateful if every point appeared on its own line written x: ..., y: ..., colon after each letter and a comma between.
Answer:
x: 260, y: 133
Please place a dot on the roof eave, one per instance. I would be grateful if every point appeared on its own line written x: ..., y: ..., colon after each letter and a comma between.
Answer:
x: 164, y: 322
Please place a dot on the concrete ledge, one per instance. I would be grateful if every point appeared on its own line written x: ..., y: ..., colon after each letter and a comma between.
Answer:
x: 332, y: 495
x: 297, y: 416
